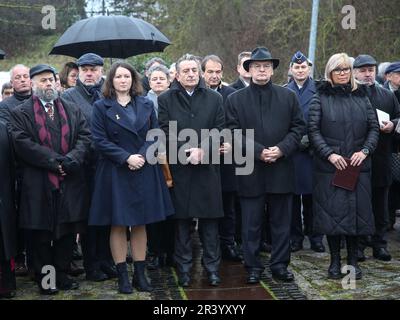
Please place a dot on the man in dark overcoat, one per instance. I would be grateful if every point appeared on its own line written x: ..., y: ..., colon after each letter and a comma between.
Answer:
x: 304, y: 87
x: 51, y: 139
x: 97, y: 259
x: 381, y: 99
x: 22, y: 87
x: 8, y: 220
x: 189, y: 104
x: 213, y: 68
x: 274, y: 115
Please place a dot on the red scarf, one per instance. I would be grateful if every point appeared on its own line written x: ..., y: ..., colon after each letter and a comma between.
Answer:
x: 45, y: 136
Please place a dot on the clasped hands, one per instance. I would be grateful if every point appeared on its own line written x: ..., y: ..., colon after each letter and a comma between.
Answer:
x: 340, y: 163
x: 135, y: 161
x: 271, y: 154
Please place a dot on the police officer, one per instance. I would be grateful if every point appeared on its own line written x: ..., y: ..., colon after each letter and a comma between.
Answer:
x: 304, y: 88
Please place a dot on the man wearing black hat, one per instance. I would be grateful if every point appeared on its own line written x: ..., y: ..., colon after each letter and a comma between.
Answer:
x: 274, y: 115
x: 392, y: 73
x: 304, y: 88
x: 97, y: 259
x: 51, y: 138
x: 381, y: 99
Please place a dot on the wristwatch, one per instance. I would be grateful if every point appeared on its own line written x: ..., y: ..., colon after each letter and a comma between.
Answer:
x: 365, y: 151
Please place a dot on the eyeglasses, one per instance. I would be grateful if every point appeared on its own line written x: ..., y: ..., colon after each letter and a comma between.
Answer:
x: 338, y: 71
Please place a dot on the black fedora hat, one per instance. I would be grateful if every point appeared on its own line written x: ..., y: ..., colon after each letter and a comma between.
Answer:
x: 260, y: 54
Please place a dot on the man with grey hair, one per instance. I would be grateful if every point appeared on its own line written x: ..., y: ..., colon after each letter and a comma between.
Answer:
x: 150, y: 63
x: 51, y: 138
x: 21, y: 83
x: 189, y: 104
x: 381, y: 76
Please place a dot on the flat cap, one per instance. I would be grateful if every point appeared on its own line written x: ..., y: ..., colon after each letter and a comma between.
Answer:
x: 364, y: 60
x: 40, y: 68
x: 393, y: 67
x: 90, y: 59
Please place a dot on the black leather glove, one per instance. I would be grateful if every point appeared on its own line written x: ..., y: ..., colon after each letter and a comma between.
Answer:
x: 53, y: 165
x: 69, y: 165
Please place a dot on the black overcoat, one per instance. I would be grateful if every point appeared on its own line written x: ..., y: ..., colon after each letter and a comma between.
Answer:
x: 341, y: 121
x: 273, y: 112
x: 197, y: 188
x: 8, y: 223
x: 36, y: 160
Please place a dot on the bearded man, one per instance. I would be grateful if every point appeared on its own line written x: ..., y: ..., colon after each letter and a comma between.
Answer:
x: 51, y: 139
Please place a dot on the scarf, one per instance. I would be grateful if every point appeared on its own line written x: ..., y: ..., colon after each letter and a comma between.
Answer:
x: 45, y: 136
x: 93, y: 91
x: 21, y: 97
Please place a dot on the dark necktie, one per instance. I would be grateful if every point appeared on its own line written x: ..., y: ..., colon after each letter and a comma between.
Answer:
x: 50, y: 110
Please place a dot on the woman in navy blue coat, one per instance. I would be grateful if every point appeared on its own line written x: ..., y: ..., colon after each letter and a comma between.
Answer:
x: 129, y: 192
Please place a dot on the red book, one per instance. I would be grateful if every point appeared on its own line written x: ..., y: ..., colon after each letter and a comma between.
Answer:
x: 347, y: 178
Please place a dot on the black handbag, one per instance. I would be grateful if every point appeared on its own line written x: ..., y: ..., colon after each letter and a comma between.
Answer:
x: 396, y: 167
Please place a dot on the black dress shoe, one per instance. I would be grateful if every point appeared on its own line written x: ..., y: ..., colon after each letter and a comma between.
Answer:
x: 96, y: 276
x: 296, y: 246
x: 214, y: 279
x: 231, y: 253
x: 253, y: 277
x: 109, y: 269
x: 67, y: 284
x: 381, y: 254
x: 283, y: 275
x: 184, y: 280
x: 75, y: 270
x: 318, y: 247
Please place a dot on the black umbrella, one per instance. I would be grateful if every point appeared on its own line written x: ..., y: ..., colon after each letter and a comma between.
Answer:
x: 2, y: 54
x: 110, y: 36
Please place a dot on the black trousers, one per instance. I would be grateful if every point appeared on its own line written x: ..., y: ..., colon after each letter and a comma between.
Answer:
x: 160, y: 237
x: 57, y: 253
x: 96, y: 249
x: 394, y: 201
x: 380, y: 208
x: 227, y: 224
x: 208, y: 233
x: 279, y: 207
x: 297, y: 231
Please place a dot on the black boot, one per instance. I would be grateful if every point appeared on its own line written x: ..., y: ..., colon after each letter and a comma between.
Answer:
x: 124, y: 285
x: 139, y: 280
x: 352, y: 258
x: 334, y: 270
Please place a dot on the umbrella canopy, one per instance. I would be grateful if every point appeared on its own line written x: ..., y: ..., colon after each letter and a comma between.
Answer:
x: 110, y: 37
x: 2, y: 54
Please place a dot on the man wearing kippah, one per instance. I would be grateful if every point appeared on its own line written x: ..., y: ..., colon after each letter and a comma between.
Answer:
x: 51, y: 139
x: 304, y: 88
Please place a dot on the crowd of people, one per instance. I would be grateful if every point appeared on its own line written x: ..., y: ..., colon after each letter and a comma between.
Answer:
x: 79, y: 170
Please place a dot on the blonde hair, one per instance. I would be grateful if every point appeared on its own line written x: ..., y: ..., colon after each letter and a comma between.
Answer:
x: 340, y: 59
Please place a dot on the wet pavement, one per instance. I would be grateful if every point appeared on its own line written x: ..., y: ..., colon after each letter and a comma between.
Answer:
x: 381, y: 280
